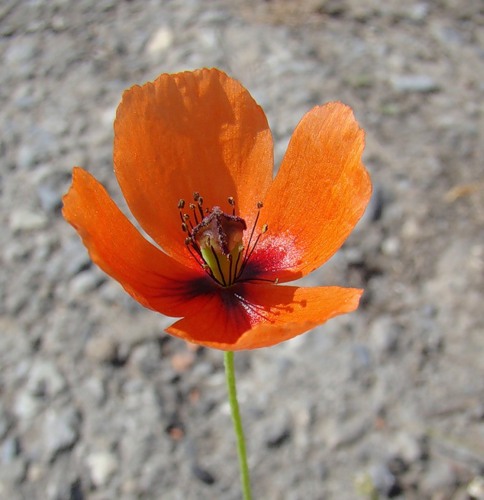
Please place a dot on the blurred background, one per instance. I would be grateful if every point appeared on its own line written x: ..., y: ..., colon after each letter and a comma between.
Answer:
x: 388, y: 402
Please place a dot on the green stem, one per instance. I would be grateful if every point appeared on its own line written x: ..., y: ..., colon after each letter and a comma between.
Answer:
x: 239, y: 432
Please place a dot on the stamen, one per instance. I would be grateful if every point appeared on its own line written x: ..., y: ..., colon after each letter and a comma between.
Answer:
x: 218, y: 265
x: 181, y: 205
x: 232, y: 204
x: 259, y: 206
x: 200, y: 209
x: 229, y: 257
x: 264, y: 229
x: 237, y: 265
x: 193, y: 209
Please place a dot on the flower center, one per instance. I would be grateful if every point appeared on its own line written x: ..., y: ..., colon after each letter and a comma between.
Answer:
x: 215, y: 239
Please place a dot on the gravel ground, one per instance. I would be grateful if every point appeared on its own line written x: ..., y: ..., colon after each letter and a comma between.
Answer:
x: 388, y: 402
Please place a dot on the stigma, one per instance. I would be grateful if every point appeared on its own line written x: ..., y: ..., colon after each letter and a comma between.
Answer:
x: 215, y: 239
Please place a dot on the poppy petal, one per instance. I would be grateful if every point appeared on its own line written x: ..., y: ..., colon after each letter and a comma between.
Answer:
x: 319, y: 194
x: 252, y: 316
x: 151, y: 277
x: 190, y: 132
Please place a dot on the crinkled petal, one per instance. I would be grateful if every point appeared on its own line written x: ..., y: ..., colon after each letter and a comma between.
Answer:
x: 151, y: 277
x: 190, y: 132
x: 250, y: 316
x: 317, y: 197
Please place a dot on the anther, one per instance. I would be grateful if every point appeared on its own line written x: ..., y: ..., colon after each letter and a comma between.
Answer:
x: 231, y: 201
x: 181, y: 204
x: 264, y: 229
x: 196, y: 196
x: 260, y: 204
x: 200, y: 209
x: 184, y: 227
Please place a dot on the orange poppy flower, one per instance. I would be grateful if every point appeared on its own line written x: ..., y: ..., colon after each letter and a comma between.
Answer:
x: 193, y: 154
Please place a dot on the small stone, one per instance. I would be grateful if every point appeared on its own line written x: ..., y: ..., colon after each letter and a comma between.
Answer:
x: 12, y: 472
x: 25, y: 157
x: 414, y: 83
x: 5, y: 421
x: 182, y: 361
x: 111, y: 292
x: 361, y: 358
x: 203, y: 475
x: 382, y: 479
x: 390, y: 246
x: 84, y: 282
x: 410, y: 229
x: 49, y: 198
x: 408, y: 448
x: 22, y: 51
x: 146, y: 358
x: 75, y: 258
x: 418, y: 11
x: 476, y: 488
x: 384, y: 335
x: 25, y: 220
x: 102, y: 349
x: 58, y: 23
x: 93, y: 391
x: 102, y: 465
x: 278, y: 433
x: 160, y: 41
x: 60, y: 431
x: 26, y: 405
x: 45, y: 380
x: 10, y: 450
x: 354, y: 256
x: 440, y: 479
x: 343, y: 434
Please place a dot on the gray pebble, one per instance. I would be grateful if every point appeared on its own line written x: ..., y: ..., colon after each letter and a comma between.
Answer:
x: 49, y: 198
x: 10, y: 450
x: 23, y: 50
x: 414, y: 83
x: 279, y: 431
x: 5, y: 421
x: 84, y: 282
x: 408, y: 448
x: 12, y: 473
x: 74, y: 259
x: 102, y: 466
x: 26, y: 405
x: 27, y: 220
x: 342, y: 434
x: 101, y: 349
x: 60, y: 431
x: 146, y: 358
x: 384, y: 335
x: 45, y: 380
x: 382, y: 479
x: 475, y: 489
x: 440, y: 479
